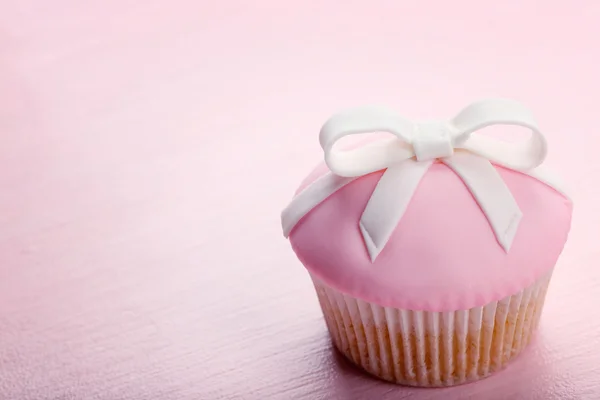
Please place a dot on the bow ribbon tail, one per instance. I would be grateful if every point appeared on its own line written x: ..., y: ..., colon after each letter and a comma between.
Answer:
x: 491, y: 193
x: 313, y: 195
x: 388, y: 203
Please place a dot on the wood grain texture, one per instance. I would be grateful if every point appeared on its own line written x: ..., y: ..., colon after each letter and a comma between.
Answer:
x: 147, y: 148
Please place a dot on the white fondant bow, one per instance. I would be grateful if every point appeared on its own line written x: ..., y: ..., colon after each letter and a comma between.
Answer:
x: 409, y: 155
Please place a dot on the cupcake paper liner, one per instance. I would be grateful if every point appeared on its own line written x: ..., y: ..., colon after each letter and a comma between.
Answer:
x: 432, y: 349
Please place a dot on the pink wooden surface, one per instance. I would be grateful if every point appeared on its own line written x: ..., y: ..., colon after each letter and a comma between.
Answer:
x: 146, y: 149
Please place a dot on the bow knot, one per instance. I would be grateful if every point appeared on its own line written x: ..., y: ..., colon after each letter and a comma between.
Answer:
x: 432, y: 140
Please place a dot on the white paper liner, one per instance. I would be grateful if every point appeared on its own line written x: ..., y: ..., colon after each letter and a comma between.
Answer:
x: 430, y: 349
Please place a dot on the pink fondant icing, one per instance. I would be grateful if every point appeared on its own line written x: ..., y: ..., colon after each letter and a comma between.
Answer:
x: 443, y: 254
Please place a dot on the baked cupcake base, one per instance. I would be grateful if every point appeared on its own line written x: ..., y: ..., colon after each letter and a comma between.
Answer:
x: 432, y: 349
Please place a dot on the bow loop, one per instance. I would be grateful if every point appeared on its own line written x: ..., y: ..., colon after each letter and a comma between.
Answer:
x: 366, y: 159
x: 522, y: 155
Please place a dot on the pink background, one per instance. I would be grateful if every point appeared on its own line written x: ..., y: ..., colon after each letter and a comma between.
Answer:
x: 147, y: 148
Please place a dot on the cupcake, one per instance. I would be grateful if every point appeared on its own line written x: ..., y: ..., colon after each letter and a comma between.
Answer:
x: 430, y: 251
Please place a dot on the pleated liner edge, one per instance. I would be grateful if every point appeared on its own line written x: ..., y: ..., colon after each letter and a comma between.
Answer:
x: 432, y: 349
